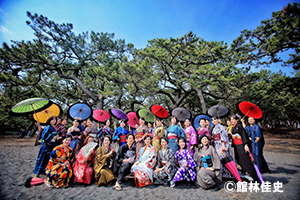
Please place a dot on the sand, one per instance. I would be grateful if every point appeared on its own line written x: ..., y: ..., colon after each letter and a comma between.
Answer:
x: 18, y: 157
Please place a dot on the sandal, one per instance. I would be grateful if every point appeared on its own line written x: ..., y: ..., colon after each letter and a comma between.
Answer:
x: 119, y: 188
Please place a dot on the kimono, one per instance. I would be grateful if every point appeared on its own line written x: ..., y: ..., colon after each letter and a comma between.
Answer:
x: 122, y: 169
x: 47, y: 137
x: 102, y: 132
x: 257, y: 147
x: 206, y: 132
x: 207, y: 157
x: 83, y: 172
x: 143, y: 167
x: 220, y: 135
x: 120, y: 133
x: 165, y: 159
x: 58, y: 174
x: 185, y: 172
x: 61, y: 132
x: 75, y: 134
x: 103, y: 165
x: 157, y: 134
x: 140, y: 132
x: 191, y: 138
x: 173, y: 133
x: 241, y: 156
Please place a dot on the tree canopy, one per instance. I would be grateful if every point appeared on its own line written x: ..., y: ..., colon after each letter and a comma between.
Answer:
x: 188, y: 71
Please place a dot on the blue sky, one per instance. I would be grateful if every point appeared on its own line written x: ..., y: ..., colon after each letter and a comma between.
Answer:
x: 138, y: 21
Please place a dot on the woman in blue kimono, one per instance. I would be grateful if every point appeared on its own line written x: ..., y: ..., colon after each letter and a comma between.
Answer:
x: 120, y: 134
x: 105, y: 130
x: 173, y: 133
x: 46, y: 147
x: 186, y: 165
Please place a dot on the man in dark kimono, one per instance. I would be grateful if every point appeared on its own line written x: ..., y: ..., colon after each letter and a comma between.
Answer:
x: 124, y: 160
x: 257, y: 144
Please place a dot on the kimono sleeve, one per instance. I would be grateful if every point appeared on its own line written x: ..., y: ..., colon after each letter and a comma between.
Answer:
x: 151, y: 158
x: 190, y: 161
x: 215, y: 159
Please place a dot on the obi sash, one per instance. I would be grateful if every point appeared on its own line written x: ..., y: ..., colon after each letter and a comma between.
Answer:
x: 156, y: 138
x: 206, y: 161
x: 238, y: 141
x: 217, y: 137
x: 172, y: 136
x: 122, y: 138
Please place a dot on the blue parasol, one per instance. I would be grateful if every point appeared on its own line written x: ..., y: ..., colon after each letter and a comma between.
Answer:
x: 197, y: 120
x: 79, y: 110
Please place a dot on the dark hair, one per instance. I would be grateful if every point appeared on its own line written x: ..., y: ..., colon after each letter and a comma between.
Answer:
x: 182, y: 138
x: 50, y: 119
x: 107, y: 136
x: 187, y: 119
x: 105, y: 121
x: 77, y: 120
x: 91, y: 119
x: 214, y: 117
x: 149, y: 123
x: 202, y: 119
x: 87, y: 139
x: 59, y: 117
x: 200, y: 138
x: 68, y: 136
x: 163, y: 138
x: 122, y: 120
x: 147, y: 136
x: 127, y: 136
x: 236, y: 117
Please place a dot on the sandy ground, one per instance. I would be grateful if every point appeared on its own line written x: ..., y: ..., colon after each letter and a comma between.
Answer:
x: 18, y: 156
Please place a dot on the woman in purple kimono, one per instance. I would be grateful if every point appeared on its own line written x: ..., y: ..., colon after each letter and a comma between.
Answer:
x: 203, y: 130
x: 186, y: 165
x: 191, y: 136
x: 221, y: 144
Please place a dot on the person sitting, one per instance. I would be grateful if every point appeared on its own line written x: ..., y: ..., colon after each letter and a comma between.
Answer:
x: 165, y: 167
x: 208, y: 165
x: 82, y: 168
x: 103, y: 163
x: 143, y: 167
x: 187, y: 166
x: 124, y: 160
x: 58, y: 170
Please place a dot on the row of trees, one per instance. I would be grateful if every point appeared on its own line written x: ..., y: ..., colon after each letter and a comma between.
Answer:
x: 189, y: 71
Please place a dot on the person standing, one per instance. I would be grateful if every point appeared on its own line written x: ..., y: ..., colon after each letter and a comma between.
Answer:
x: 257, y: 143
x: 173, y: 133
x: 140, y: 135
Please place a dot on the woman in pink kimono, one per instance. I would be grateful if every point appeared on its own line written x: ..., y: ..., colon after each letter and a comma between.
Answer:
x: 83, y: 167
x: 143, y: 167
x: 191, y: 136
x: 203, y: 130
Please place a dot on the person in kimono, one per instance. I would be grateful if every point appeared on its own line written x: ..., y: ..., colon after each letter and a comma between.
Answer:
x: 150, y: 128
x: 120, y: 134
x: 143, y: 167
x: 203, y: 130
x: 173, y: 133
x: 208, y: 165
x: 59, y: 171
x: 258, y: 143
x: 186, y: 165
x: 242, y: 147
x: 191, y: 136
x: 141, y: 131
x: 124, y: 160
x: 83, y: 166
x: 222, y: 145
x: 103, y: 163
x: 105, y: 130
x: 74, y: 131
x: 47, y: 137
x: 165, y: 167
x: 157, y: 134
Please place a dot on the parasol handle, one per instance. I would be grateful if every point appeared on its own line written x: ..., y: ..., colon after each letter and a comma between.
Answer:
x: 34, y: 113
x: 246, y: 114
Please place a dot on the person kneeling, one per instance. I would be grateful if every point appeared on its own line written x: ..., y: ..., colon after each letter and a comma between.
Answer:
x: 208, y: 165
x: 143, y: 167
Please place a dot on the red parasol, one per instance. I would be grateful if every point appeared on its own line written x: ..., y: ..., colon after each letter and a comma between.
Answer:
x: 230, y: 165
x: 100, y: 115
x: 132, y: 119
x: 250, y: 109
x: 159, y: 111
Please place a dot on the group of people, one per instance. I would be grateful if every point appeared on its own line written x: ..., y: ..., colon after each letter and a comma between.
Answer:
x: 153, y: 155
